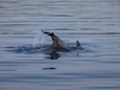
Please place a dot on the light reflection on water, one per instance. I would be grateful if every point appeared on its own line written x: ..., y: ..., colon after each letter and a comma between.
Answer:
x: 95, y: 23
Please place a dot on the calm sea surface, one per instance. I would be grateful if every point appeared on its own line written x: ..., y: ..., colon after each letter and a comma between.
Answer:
x: 95, y: 23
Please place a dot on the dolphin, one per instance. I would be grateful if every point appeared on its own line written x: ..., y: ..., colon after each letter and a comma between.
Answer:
x: 58, y: 44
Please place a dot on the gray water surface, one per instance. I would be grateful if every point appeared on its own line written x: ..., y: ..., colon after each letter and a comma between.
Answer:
x: 95, y: 23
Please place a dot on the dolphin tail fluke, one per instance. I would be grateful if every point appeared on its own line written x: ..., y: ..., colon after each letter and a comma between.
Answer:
x: 48, y: 33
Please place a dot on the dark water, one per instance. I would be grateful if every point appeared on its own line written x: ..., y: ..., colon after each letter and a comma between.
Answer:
x: 95, y: 23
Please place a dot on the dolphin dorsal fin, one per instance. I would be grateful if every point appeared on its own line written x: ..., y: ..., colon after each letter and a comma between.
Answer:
x: 78, y: 44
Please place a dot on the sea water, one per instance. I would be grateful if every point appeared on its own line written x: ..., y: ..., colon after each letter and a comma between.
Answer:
x: 95, y: 23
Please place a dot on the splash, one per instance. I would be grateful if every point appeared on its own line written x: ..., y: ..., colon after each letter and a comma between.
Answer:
x: 39, y: 40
